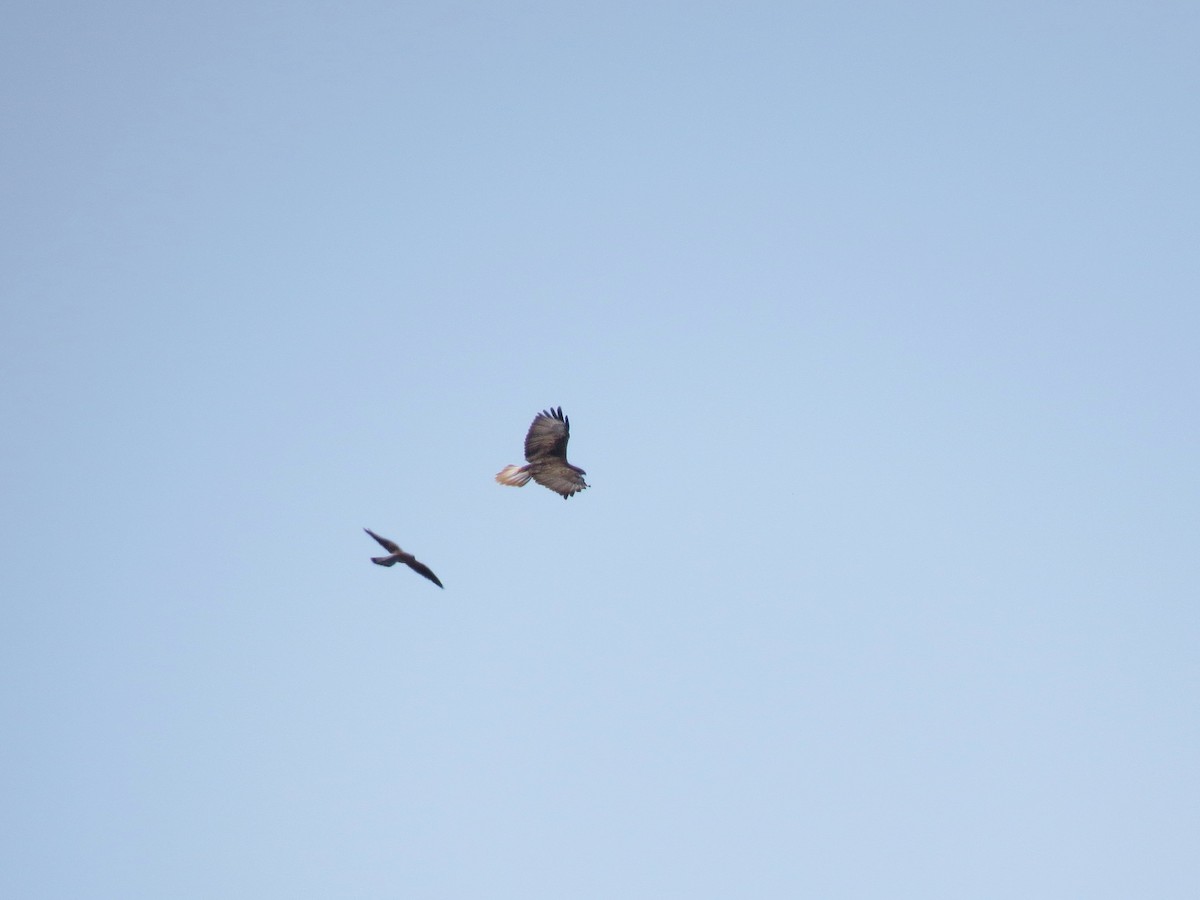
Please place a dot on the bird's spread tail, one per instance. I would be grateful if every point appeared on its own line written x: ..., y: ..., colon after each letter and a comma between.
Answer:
x: 384, y: 560
x: 517, y: 476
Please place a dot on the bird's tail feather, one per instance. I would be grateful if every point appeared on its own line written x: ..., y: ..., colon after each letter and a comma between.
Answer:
x: 517, y: 476
x: 384, y: 560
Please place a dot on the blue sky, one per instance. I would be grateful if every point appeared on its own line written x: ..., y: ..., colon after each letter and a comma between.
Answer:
x: 877, y: 328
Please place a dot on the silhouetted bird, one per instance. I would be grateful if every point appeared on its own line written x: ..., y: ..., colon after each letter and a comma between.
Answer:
x: 398, y: 555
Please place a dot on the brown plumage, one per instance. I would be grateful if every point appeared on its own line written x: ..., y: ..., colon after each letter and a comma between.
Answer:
x: 546, y: 455
x: 397, y: 555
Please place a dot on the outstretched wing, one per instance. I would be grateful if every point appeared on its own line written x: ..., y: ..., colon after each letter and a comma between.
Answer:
x: 548, y: 436
x: 389, y: 546
x: 559, y: 477
x: 421, y: 569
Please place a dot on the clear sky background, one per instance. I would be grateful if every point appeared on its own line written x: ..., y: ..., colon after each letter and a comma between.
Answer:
x: 877, y: 326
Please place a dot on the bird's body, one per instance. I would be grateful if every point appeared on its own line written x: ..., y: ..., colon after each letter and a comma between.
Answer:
x: 395, y: 555
x: 546, y: 457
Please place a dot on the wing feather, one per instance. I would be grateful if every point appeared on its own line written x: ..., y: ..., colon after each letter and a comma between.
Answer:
x: 560, y: 477
x: 548, y: 436
x: 389, y: 546
x: 421, y: 569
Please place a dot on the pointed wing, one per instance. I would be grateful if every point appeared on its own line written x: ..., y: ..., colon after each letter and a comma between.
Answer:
x: 548, y: 435
x: 560, y: 477
x: 389, y: 546
x: 421, y: 569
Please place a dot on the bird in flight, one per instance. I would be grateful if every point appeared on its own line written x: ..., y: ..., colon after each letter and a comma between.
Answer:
x: 397, y: 555
x: 546, y: 455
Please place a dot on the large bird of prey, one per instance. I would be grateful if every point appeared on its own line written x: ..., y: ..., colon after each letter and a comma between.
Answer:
x: 397, y: 555
x: 546, y: 455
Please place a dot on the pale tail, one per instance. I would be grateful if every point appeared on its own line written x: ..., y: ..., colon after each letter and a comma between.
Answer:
x: 517, y: 476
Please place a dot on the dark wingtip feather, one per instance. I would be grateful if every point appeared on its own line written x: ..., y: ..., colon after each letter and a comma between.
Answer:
x: 421, y: 569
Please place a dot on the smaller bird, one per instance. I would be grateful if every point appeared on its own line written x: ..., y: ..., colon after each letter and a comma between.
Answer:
x: 398, y: 555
